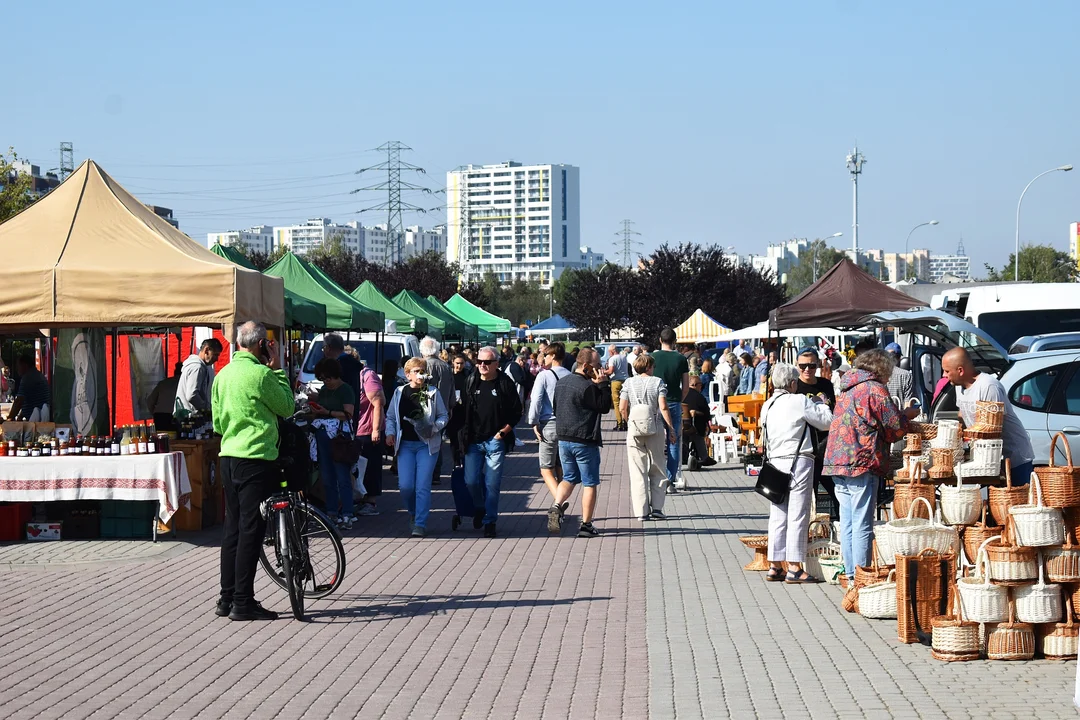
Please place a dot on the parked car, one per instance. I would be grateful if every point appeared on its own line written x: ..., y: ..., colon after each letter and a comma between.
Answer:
x: 1042, y: 387
x: 1049, y: 341
x: 373, y: 354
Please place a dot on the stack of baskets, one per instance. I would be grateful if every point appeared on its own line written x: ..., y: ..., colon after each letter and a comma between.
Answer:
x: 985, y: 439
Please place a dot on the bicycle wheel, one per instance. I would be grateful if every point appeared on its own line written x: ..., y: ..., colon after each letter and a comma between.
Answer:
x: 324, y: 562
x: 292, y: 562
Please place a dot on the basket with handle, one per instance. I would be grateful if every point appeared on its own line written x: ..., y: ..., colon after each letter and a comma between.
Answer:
x: 983, y: 601
x: 1063, y: 563
x: 1039, y: 603
x: 922, y: 589
x: 878, y: 600
x: 960, y: 505
x: 1010, y: 564
x: 954, y: 638
x: 1061, y: 641
x: 1035, y: 525
x: 928, y: 431
x: 876, y: 572
x: 905, y: 494
x: 1001, y: 499
x: 1060, y: 483
x: 911, y: 535
x: 975, y: 535
x: 822, y: 556
x: 1011, y: 640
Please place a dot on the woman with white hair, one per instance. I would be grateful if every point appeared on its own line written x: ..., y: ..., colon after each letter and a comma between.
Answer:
x: 786, y: 419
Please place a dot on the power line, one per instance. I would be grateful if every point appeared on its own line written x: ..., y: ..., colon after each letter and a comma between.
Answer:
x: 628, y: 242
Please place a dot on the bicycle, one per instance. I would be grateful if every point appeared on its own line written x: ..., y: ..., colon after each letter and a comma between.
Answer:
x: 308, y: 557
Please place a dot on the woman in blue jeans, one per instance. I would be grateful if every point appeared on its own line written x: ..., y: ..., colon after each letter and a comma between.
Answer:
x: 415, y: 418
x: 336, y: 402
x: 865, y: 422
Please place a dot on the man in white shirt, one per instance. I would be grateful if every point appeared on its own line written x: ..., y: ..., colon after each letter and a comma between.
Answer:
x: 973, y: 386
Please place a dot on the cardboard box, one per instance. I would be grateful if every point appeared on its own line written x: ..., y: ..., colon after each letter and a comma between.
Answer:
x: 39, y: 531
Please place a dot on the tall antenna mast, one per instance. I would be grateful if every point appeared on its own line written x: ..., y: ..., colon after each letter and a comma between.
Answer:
x: 67, y: 160
x: 628, y: 242
x: 855, y: 161
x: 394, y: 185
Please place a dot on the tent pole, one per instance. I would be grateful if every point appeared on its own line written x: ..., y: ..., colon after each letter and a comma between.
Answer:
x: 115, y: 359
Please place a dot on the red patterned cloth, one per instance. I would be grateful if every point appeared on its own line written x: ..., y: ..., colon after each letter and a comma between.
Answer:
x: 865, y: 422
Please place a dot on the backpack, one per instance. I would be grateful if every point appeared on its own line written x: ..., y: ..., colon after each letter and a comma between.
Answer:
x: 294, y: 456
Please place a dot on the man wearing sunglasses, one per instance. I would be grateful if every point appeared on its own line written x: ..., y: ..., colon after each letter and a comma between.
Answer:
x: 492, y: 409
x: 813, y: 386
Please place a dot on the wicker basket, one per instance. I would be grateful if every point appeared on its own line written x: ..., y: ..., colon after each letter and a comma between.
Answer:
x: 1010, y: 563
x: 932, y: 573
x: 989, y: 416
x: 850, y: 601
x: 820, y: 527
x: 905, y: 494
x: 1039, y: 603
x: 913, y: 443
x: 941, y: 463
x: 1060, y: 484
x: 928, y: 431
x: 975, y: 535
x: 1037, y: 525
x: 982, y: 601
x: 876, y: 572
x: 1001, y: 499
x: 911, y: 535
x: 1063, y: 563
x: 1011, y: 640
x: 878, y: 600
x: 822, y: 556
x: 1061, y: 641
x: 960, y: 505
x: 954, y: 639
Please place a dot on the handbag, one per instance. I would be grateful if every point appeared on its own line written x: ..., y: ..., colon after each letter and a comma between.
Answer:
x: 772, y: 483
x: 344, y: 447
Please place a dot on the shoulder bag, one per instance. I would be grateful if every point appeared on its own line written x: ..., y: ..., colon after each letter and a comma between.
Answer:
x: 774, y: 484
x: 344, y: 447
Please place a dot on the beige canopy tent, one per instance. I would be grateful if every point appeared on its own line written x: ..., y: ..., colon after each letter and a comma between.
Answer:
x: 90, y: 254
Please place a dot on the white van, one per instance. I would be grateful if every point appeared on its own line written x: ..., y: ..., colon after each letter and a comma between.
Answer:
x: 1008, y: 312
x: 393, y: 346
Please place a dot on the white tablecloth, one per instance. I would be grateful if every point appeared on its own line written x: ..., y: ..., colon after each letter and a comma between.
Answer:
x: 162, y: 478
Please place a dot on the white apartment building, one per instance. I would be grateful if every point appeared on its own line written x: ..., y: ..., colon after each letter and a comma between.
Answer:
x: 382, y: 247
x: 257, y: 239
x: 958, y: 266
x: 905, y: 266
x: 522, y: 222
x: 590, y: 258
x: 304, y: 238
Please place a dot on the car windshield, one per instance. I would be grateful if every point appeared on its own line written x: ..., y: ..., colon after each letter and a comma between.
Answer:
x: 367, y: 350
x: 983, y: 354
x: 1007, y: 327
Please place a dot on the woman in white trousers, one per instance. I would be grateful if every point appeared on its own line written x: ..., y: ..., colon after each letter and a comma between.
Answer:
x: 643, y: 403
x: 785, y: 421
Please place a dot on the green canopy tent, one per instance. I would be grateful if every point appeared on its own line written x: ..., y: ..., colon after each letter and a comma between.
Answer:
x: 451, y: 327
x: 341, y: 313
x: 477, y: 316
x: 474, y: 334
x: 299, y: 311
x: 373, y: 297
x: 327, y: 282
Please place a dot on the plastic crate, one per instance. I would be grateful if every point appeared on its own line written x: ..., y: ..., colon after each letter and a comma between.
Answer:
x: 128, y: 509
x: 126, y: 528
x: 13, y: 519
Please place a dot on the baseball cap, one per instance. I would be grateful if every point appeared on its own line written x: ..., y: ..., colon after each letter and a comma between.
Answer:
x: 893, y: 348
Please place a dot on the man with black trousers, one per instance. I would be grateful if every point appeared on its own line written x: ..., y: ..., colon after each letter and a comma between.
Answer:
x: 815, y: 387
x: 581, y: 399
x: 247, y: 398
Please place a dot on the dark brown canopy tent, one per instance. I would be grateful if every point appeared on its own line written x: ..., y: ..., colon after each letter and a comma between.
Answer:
x: 839, y: 299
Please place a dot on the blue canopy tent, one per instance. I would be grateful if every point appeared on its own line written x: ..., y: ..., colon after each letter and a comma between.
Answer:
x: 554, y: 325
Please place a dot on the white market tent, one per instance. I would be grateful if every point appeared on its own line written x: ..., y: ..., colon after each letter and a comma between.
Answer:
x: 699, y: 328
x: 761, y: 332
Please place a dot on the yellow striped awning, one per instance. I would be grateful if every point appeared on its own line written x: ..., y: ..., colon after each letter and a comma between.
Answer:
x: 699, y: 328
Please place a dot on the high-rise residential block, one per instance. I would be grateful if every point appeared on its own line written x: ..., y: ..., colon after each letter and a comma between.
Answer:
x: 257, y: 239
x: 521, y: 222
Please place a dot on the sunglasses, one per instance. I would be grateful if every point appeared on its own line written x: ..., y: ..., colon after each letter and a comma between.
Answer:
x: 807, y: 366
x: 485, y: 362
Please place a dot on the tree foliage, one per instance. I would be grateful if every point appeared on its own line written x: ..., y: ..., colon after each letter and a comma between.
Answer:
x: 1038, y: 263
x: 261, y: 260
x: 14, y: 187
x: 802, y: 275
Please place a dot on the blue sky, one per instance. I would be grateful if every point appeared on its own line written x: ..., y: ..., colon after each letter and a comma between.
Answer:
x: 707, y: 122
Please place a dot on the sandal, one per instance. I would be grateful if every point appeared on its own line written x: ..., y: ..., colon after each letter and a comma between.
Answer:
x: 800, y: 578
x: 775, y: 575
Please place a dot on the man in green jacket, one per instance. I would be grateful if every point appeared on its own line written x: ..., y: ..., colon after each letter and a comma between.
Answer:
x: 247, y: 398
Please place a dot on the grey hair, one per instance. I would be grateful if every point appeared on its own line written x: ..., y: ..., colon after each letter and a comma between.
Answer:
x: 250, y: 334
x: 429, y: 346
x: 488, y: 349
x: 783, y: 374
x: 878, y: 363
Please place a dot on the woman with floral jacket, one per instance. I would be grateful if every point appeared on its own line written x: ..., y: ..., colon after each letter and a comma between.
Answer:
x: 865, y: 422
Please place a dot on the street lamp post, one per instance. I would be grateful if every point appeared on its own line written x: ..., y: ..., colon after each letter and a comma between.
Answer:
x: 834, y: 235
x: 1016, y: 257
x: 929, y: 222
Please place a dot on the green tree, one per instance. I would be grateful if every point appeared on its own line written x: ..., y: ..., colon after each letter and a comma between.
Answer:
x: 596, y: 301
x: 802, y: 275
x: 1038, y: 263
x: 14, y: 187
x: 335, y: 259
x: 262, y: 260
x: 523, y: 301
x: 427, y: 274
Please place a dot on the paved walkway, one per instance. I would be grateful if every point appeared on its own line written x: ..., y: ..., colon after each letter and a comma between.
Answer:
x: 660, y: 623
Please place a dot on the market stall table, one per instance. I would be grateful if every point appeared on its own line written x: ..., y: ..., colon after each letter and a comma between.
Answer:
x: 161, y: 478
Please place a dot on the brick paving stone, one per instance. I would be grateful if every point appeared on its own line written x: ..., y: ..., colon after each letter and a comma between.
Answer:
x: 659, y: 622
